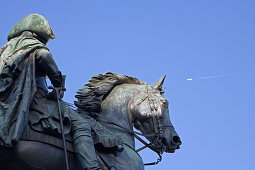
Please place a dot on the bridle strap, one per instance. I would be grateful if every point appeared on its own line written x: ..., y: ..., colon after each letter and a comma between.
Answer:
x: 155, y: 112
x: 143, y: 142
x: 142, y: 148
x: 155, y: 163
x: 149, y: 146
x: 124, y: 128
x: 140, y: 126
x: 116, y: 124
x: 134, y: 133
x: 156, y: 124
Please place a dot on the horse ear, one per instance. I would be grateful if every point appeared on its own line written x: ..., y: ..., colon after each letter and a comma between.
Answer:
x: 159, y: 83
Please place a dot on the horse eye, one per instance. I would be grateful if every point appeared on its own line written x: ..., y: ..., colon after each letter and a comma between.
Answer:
x: 157, y: 94
x: 143, y: 113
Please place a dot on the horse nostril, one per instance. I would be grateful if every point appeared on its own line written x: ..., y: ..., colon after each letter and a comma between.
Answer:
x: 164, y: 141
x: 177, y: 140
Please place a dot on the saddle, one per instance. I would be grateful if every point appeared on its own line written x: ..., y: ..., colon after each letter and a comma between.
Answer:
x: 44, y: 125
x: 56, y: 141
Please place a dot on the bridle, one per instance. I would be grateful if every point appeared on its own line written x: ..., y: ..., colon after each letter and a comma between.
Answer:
x: 157, y: 124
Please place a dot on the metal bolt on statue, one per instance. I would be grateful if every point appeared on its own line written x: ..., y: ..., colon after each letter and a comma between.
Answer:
x: 38, y: 130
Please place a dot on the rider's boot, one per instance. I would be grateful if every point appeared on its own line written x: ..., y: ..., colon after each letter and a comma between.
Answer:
x: 83, y: 143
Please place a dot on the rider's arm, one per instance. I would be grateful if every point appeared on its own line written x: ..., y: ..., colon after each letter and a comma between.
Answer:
x: 47, y: 65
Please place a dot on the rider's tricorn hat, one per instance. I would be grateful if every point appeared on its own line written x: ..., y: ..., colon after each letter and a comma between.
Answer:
x: 35, y: 23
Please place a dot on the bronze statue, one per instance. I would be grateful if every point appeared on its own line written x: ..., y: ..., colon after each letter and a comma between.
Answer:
x: 25, y: 63
x: 98, y: 133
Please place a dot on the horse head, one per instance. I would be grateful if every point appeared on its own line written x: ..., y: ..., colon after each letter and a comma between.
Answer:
x: 151, y: 116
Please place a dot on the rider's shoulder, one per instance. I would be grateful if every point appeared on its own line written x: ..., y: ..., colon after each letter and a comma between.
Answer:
x: 43, y: 52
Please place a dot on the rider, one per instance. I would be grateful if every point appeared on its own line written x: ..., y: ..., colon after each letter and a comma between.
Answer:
x: 25, y: 62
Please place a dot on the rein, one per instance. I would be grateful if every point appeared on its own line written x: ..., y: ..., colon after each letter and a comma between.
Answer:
x: 134, y: 133
x: 158, y: 127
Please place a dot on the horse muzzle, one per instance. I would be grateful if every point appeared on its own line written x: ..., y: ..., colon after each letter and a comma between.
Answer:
x: 172, y: 143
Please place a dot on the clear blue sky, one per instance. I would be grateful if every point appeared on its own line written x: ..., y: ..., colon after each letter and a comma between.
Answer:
x: 214, y: 117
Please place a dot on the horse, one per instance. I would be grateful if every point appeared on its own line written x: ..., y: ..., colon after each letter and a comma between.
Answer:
x: 125, y: 102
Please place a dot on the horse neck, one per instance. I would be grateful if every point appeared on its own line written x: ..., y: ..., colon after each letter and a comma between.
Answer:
x: 115, y: 107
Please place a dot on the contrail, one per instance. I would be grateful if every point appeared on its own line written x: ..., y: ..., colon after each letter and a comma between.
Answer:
x: 210, y: 77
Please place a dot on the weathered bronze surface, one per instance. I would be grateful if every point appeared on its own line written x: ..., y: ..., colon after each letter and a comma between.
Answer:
x: 99, y: 131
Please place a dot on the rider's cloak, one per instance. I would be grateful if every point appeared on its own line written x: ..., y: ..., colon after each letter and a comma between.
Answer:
x: 17, y: 86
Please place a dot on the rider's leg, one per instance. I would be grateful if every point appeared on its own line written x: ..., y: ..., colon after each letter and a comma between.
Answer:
x: 83, y: 142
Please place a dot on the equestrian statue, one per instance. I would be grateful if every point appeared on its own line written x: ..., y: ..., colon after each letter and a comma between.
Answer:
x: 38, y: 130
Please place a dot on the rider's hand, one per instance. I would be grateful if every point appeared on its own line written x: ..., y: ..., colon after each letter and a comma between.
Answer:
x: 53, y: 95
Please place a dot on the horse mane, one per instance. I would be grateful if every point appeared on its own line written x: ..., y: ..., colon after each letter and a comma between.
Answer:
x: 96, y: 90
